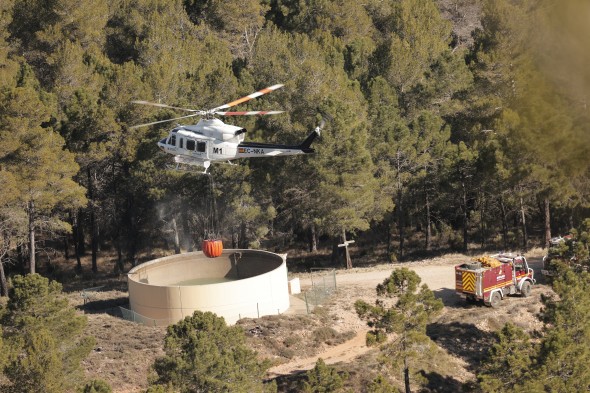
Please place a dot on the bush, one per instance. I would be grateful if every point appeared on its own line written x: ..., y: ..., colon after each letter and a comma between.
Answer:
x: 324, y: 334
x: 375, y: 337
x: 97, y: 386
x: 323, y: 379
x: 204, y: 354
x: 45, y: 336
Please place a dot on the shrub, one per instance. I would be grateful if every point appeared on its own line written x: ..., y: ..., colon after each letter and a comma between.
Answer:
x: 97, y: 386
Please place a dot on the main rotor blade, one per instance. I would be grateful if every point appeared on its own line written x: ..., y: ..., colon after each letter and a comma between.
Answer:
x: 164, y: 121
x: 166, y: 106
x: 248, y: 97
x: 249, y: 113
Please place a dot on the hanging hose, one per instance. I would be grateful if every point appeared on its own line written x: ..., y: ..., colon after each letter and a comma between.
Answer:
x: 212, y: 243
x: 211, y: 230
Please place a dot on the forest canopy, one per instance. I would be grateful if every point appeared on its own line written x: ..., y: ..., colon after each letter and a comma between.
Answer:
x: 437, y: 138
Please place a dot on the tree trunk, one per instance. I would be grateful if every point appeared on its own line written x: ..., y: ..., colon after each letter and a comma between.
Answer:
x: 120, y: 263
x: 131, y: 228
x: 313, y: 239
x: 482, y: 221
x: 346, y: 253
x: 407, y: 376
x: 66, y: 248
x: 504, y: 223
x: 525, y: 237
x: 547, y: 215
x: 243, y: 240
x: 428, y: 223
x: 389, y: 238
x: 336, y: 257
x: 93, y: 224
x: 31, y: 237
x: 175, y: 237
x: 76, y: 237
x: 20, y: 259
x: 235, y: 238
x: 188, y: 240
x: 400, y: 224
x: 465, y: 216
x: 3, y: 283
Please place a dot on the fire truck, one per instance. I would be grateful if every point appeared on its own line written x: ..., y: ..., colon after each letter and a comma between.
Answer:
x: 491, y: 278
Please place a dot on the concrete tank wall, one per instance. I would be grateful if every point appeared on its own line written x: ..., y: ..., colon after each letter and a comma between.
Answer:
x: 259, y: 285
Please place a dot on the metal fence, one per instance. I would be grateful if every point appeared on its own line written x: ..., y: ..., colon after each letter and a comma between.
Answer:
x: 323, y: 285
x: 132, y: 316
x: 89, y: 294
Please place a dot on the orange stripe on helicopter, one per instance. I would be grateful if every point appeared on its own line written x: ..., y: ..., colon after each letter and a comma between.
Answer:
x: 249, y: 113
x: 250, y: 96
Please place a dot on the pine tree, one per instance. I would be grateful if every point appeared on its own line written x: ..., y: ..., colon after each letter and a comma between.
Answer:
x: 462, y: 173
x: 43, y: 333
x: 407, y: 318
x: 381, y: 385
x: 97, y: 386
x: 44, y: 184
x: 415, y: 35
x: 565, y: 348
x: 238, y: 24
x: 323, y: 379
x: 204, y: 354
x: 509, y: 361
x: 338, y: 192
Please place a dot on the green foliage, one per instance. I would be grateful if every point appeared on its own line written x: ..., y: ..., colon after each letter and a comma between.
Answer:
x: 415, y: 35
x: 381, y: 385
x: 97, y: 386
x: 558, y: 363
x: 565, y: 349
x: 43, y: 333
x: 396, y: 87
x: 158, y: 389
x: 323, y: 379
x: 3, y: 351
x: 204, y: 354
x: 509, y: 361
x: 413, y: 309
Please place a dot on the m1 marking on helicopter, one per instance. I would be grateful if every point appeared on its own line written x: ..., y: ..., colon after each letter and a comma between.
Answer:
x: 211, y: 140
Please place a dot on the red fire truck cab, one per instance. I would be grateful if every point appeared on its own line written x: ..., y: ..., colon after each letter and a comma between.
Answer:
x: 492, y: 278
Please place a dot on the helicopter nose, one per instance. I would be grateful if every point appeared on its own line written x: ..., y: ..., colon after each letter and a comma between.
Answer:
x: 162, y: 143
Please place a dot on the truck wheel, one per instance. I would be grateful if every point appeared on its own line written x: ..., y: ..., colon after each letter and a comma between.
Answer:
x: 495, y: 300
x: 525, y: 290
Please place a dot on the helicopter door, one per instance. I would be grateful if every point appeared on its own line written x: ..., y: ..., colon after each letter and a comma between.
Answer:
x: 202, y: 149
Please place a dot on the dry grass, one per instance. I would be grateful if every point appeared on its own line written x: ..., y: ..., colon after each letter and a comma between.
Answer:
x: 125, y: 351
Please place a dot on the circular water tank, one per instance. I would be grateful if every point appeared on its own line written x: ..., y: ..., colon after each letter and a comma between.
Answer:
x: 237, y: 284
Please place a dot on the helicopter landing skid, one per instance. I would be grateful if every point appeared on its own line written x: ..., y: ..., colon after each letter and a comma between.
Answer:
x: 186, y: 168
x: 190, y: 163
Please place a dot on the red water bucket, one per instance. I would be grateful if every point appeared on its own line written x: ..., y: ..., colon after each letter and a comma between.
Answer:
x: 212, y: 248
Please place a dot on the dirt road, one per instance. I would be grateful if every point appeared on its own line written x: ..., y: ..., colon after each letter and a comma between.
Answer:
x: 438, y: 274
x: 439, y: 278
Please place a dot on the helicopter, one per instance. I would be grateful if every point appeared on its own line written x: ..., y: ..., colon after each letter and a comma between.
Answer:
x: 211, y: 140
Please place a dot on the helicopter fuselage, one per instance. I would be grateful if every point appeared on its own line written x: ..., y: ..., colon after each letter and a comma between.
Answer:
x: 211, y: 140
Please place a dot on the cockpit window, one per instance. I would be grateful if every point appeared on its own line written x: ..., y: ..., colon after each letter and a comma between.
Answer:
x: 172, y: 140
